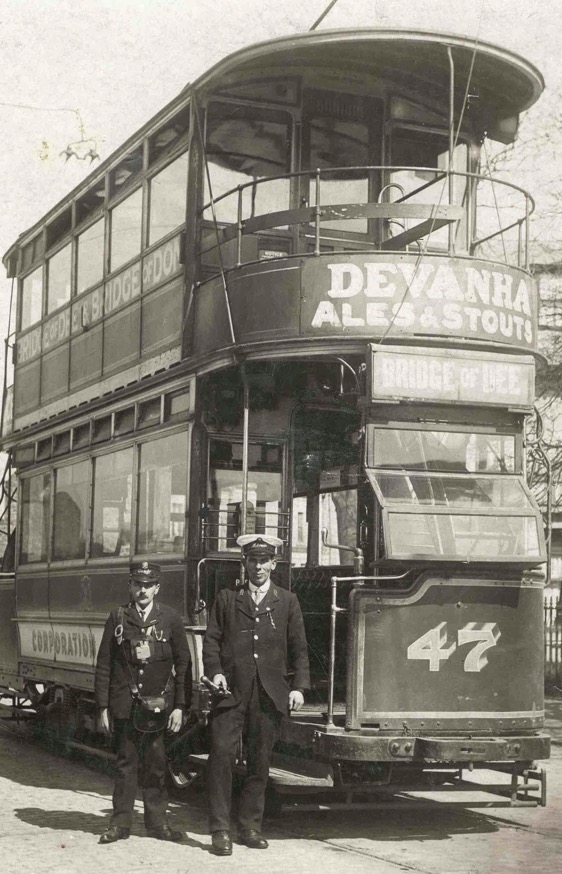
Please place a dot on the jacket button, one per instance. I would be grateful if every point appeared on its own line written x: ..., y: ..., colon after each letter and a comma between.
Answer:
x: 140, y: 685
x: 255, y: 655
x: 141, y: 671
x: 257, y: 619
x: 255, y: 637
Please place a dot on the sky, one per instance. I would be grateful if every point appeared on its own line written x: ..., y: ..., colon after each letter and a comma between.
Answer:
x: 113, y: 63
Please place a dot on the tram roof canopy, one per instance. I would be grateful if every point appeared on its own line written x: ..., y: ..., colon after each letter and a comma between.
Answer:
x: 418, y: 61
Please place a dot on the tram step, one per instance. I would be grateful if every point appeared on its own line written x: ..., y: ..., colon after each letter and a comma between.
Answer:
x: 280, y: 777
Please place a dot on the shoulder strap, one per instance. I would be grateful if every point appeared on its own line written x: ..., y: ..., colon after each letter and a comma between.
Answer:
x: 118, y: 632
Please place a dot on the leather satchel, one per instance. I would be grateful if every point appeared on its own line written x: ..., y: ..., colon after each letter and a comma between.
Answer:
x: 150, y: 712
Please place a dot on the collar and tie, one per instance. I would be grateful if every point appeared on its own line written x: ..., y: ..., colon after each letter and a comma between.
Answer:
x: 258, y: 593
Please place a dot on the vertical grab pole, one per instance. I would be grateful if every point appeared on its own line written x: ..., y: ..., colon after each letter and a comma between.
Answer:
x: 245, y: 445
x: 239, y: 229
x: 332, y: 669
x: 317, y: 216
x: 451, y: 143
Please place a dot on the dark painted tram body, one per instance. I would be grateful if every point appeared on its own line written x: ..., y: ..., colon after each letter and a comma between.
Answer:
x: 293, y: 303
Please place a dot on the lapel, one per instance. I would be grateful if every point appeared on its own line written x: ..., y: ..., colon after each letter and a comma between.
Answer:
x: 131, y: 613
x: 244, y: 602
x: 269, y: 602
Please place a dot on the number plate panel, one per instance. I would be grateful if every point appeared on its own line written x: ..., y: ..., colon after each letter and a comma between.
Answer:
x: 451, y: 653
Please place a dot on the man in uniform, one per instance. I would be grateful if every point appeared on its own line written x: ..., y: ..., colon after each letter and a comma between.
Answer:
x: 143, y: 652
x: 255, y: 638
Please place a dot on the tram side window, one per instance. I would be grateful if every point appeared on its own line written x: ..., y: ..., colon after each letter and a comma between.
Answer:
x: 31, y: 299
x: 90, y: 256
x: 58, y: 279
x: 36, y: 499
x: 113, y: 491
x: 125, y: 235
x: 162, y: 494
x: 264, y: 494
x: 168, y: 199
x: 70, y: 511
x: 247, y: 144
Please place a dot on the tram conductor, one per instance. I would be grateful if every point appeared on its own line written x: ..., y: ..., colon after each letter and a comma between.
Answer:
x: 255, y: 652
x: 143, y: 655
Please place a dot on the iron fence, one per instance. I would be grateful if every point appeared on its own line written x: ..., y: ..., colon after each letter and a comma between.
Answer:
x: 552, y: 642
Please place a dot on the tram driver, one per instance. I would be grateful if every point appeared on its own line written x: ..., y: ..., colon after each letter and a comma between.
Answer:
x: 142, y: 664
x: 254, y: 639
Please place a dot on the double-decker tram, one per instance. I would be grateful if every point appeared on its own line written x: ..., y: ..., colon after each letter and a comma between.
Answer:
x: 294, y: 303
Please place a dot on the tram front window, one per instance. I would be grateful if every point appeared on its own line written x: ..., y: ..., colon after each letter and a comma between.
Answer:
x: 223, y: 522
x: 452, y: 494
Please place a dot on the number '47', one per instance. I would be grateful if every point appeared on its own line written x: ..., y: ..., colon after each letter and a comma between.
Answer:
x: 434, y: 647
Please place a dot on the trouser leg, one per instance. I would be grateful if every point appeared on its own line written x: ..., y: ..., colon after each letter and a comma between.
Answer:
x: 125, y: 789
x: 153, y: 770
x: 226, y: 726
x: 263, y: 724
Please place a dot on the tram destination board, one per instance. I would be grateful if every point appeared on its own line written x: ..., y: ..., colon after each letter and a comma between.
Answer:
x: 443, y: 376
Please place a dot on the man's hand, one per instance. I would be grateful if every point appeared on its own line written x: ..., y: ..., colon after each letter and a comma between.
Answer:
x: 296, y: 700
x: 220, y: 681
x: 104, y: 720
x: 175, y: 720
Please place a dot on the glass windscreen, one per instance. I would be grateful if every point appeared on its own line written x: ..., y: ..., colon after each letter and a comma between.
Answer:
x: 223, y: 514
x: 452, y: 491
x: 446, y: 451
x: 473, y: 537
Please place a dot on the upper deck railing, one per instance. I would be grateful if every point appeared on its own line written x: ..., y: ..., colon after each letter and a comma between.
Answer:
x: 457, y: 213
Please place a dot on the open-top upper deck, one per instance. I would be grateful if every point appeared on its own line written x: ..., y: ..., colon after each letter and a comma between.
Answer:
x: 340, y: 158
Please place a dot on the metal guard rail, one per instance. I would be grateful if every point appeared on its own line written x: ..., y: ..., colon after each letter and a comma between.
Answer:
x: 433, y: 216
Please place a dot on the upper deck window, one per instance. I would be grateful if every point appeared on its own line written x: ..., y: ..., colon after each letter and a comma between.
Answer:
x: 169, y: 135
x: 58, y: 279
x: 168, y: 199
x: 127, y: 170
x: 91, y: 201
x: 90, y: 256
x: 31, y: 299
x: 246, y: 144
x: 125, y: 235
x: 342, y: 131
x: 32, y: 251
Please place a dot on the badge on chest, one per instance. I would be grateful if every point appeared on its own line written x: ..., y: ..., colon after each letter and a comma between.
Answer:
x: 141, y: 649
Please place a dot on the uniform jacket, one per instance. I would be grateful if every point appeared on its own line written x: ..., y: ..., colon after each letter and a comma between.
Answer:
x: 243, y: 639
x: 113, y: 679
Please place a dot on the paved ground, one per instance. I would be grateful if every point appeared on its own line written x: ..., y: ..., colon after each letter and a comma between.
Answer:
x: 53, y: 809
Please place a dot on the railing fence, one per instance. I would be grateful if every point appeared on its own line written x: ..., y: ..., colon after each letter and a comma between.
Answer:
x: 552, y: 642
